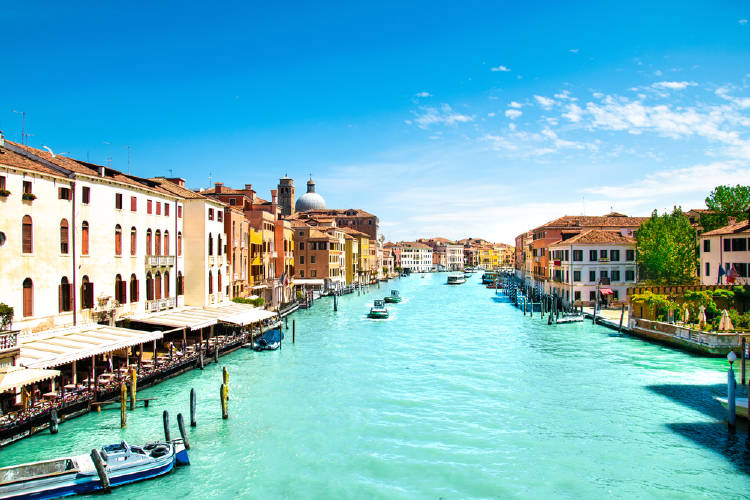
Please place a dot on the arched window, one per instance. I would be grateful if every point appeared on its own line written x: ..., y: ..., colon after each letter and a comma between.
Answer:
x: 166, y: 242
x: 218, y: 281
x: 133, y: 288
x: 118, y: 240
x: 157, y: 242
x: 166, y: 284
x: 121, y: 295
x: 157, y: 285
x: 28, y: 297
x: 64, y: 236
x: 180, y: 284
x: 210, y: 244
x: 179, y: 243
x: 87, y: 293
x: 65, y: 295
x: 133, y: 240
x: 85, y: 238
x: 219, y: 248
x: 149, y: 287
x: 210, y: 283
x: 27, y: 235
x: 148, y: 242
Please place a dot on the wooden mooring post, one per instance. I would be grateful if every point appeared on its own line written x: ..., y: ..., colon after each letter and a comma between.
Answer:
x: 167, y: 434
x: 192, y: 408
x: 183, y: 434
x: 622, y: 316
x: 223, y: 394
x: 123, y: 402
x: 133, y: 384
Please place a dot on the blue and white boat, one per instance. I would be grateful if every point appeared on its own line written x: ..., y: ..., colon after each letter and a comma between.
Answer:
x: 77, y: 474
x: 269, y: 341
x: 378, y: 310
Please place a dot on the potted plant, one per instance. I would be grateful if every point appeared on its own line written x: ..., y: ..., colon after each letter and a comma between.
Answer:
x: 6, y: 316
x: 28, y: 196
x: 4, y: 193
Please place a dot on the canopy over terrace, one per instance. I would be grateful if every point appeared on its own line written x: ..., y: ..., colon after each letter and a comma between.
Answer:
x: 196, y: 318
x: 58, y: 348
x: 14, y: 377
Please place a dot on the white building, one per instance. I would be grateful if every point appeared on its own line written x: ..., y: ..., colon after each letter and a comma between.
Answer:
x: 81, y: 242
x: 590, y: 261
x: 205, y: 245
x: 727, y: 248
x: 416, y: 256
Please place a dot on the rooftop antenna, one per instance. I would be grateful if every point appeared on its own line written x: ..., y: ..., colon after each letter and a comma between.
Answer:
x: 170, y: 173
x: 109, y: 157
x: 23, y: 125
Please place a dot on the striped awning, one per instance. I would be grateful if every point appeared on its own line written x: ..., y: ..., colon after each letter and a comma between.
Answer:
x: 57, y: 348
x: 14, y: 377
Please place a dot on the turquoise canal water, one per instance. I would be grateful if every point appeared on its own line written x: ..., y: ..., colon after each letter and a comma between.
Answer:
x: 455, y: 396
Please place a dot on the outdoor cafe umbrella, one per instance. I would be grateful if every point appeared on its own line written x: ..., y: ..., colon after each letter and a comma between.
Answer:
x: 702, y: 316
x: 725, y: 323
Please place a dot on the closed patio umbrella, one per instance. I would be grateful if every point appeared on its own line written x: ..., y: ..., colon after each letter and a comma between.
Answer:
x: 702, y: 316
x: 725, y: 323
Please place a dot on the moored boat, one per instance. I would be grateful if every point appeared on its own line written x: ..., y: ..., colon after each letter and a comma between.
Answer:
x: 378, y: 310
x: 394, y: 297
x: 489, y: 277
x: 570, y: 318
x: 740, y: 406
x: 456, y: 279
x: 269, y: 341
x: 73, y: 475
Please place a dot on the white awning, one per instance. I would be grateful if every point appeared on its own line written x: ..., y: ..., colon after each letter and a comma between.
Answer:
x: 240, y: 314
x: 305, y: 281
x: 193, y: 318
x: 65, y: 346
x: 258, y: 287
x: 13, y: 377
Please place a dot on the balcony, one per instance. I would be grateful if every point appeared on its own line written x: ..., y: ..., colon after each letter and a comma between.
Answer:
x: 8, y: 340
x: 160, y: 260
x: 160, y: 304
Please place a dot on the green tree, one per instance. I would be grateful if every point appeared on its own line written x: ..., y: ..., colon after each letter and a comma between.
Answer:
x: 725, y: 202
x: 666, y: 249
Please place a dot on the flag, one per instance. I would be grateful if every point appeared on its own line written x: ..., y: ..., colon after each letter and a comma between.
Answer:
x: 721, y: 273
x: 732, y: 275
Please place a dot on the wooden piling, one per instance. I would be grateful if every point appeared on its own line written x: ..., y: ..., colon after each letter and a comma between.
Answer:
x: 216, y: 352
x: 192, y: 408
x: 167, y: 434
x: 183, y: 434
x: 224, y: 407
x: 101, y: 469
x: 225, y: 376
x: 742, y: 360
x: 53, y: 421
x: 123, y: 402
x: 133, y: 384
x: 622, y: 316
x: 200, y: 357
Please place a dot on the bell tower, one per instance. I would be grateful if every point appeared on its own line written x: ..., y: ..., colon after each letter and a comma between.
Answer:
x: 286, y: 195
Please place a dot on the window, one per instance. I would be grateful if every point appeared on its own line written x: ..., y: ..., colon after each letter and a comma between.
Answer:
x: 210, y: 244
x: 576, y: 275
x: 149, y: 286
x: 27, y: 235
x: 220, y: 216
x: 166, y: 282
x: 64, y: 295
x: 133, y: 240
x: 313, y: 273
x: 210, y: 214
x: 577, y: 255
x: 603, y: 274
x: 233, y: 201
x: 148, y: 207
x: 739, y: 244
x: 602, y: 254
x: 148, y: 242
x: 63, y: 193
x: 616, y: 294
x: 741, y: 268
x: 28, y: 298
x: 615, y: 275
x: 592, y: 296
x: 629, y: 275
x: 133, y: 203
x: 312, y: 259
x: 120, y: 291
x: 301, y: 245
x: 2, y: 182
x: 158, y: 208
x: 592, y: 275
x: 577, y: 295
x: 118, y: 240
x: 64, y: 236
x: 133, y: 288
x: 157, y: 285
x: 218, y: 281
x: 219, y: 248
x: 180, y: 284
x: 179, y: 211
x: 85, y: 195
x: 87, y: 293
x: 593, y: 255
x: 630, y: 255
x: 706, y: 246
x: 166, y: 242
x: 179, y: 243
x: 727, y: 245
x: 166, y: 209
x: 302, y: 274
x: 708, y: 270
x: 302, y: 260
x: 118, y: 201
x: 27, y: 188
x: 614, y: 255
x: 85, y: 238
x: 157, y: 242
x: 210, y: 283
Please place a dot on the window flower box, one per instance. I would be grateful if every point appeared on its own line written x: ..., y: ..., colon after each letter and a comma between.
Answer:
x: 4, y: 193
x: 28, y: 196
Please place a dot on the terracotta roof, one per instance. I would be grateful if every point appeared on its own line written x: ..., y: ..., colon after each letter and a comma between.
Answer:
x: 587, y: 221
x: 414, y: 244
x: 180, y: 191
x: 13, y: 159
x: 353, y: 232
x: 340, y: 212
x: 736, y: 228
x: 596, y: 236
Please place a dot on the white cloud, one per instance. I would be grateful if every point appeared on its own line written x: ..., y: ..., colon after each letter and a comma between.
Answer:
x: 742, y: 102
x: 513, y: 113
x: 514, y: 104
x: 501, y: 68
x: 575, y: 51
x: 565, y: 95
x: 423, y: 94
x: 574, y: 113
x: 444, y: 115
x: 743, y: 21
x: 673, y: 85
x: 491, y: 114
x: 544, y: 102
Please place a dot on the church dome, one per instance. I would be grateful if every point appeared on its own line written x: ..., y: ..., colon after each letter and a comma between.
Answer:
x: 310, y: 200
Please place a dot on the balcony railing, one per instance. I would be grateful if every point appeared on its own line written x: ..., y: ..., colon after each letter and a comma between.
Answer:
x: 160, y: 260
x: 160, y: 304
x: 8, y: 340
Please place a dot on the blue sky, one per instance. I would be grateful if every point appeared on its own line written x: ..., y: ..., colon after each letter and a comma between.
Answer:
x: 443, y: 118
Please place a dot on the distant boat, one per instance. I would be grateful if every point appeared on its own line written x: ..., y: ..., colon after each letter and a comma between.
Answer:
x: 378, y: 310
x: 394, y: 297
x: 456, y: 279
x: 269, y: 341
x: 740, y: 405
x: 570, y: 318
x: 489, y: 277
x: 77, y: 474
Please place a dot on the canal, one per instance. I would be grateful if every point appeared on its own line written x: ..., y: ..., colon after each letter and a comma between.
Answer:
x: 455, y: 396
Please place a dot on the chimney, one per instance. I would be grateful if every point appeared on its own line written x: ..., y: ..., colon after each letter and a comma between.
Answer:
x: 248, y: 187
x: 274, y: 196
x: 102, y: 170
x: 176, y: 180
x: 218, y: 186
x: 2, y: 139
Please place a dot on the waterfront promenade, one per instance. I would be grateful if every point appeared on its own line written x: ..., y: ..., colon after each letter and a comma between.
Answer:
x: 454, y: 396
